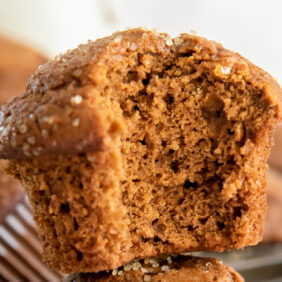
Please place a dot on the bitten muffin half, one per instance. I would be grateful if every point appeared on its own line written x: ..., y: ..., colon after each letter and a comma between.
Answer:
x: 165, y: 269
x: 137, y: 145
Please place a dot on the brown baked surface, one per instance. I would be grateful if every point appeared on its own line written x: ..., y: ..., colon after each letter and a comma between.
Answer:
x: 171, y: 269
x: 137, y: 145
x: 273, y: 224
x: 17, y: 63
x: 275, y: 158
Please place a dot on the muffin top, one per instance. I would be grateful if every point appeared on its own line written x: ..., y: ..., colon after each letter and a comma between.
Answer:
x: 59, y: 112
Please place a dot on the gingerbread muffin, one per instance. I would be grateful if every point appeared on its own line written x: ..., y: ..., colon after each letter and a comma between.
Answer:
x: 165, y: 269
x: 17, y: 63
x: 137, y: 145
x: 273, y: 224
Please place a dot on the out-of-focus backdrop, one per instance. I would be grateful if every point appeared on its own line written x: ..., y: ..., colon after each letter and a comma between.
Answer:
x: 253, y: 27
x: 250, y: 27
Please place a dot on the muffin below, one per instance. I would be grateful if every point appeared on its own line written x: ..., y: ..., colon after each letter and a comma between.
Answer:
x: 165, y: 269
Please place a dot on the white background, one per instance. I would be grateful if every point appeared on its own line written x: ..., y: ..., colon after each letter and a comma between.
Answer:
x: 251, y: 27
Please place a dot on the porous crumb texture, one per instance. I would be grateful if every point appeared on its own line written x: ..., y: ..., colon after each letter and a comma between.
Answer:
x: 165, y: 269
x: 138, y: 145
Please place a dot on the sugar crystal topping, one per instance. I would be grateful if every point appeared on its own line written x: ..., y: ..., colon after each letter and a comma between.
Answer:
x: 144, y: 270
x: 77, y: 99
x: 127, y: 267
x: 136, y: 265
x: 178, y: 40
x: 169, y: 42
x: 120, y: 272
x: 23, y: 128
x: 77, y: 72
x: 31, y: 140
x: 44, y: 133
x: 48, y: 119
x: 165, y: 268
x: 147, y: 266
x: 169, y: 260
x: 114, y: 272
x: 147, y: 278
x: 75, y: 122
x: 118, y: 39
x: 208, y: 264
x: 225, y: 70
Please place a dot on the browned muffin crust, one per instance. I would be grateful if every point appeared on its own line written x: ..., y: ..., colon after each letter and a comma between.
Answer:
x: 165, y: 269
x: 273, y: 223
x: 49, y: 106
x: 17, y: 63
x: 137, y: 145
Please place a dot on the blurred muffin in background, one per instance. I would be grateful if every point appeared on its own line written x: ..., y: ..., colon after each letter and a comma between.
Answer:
x: 276, y: 152
x: 273, y: 225
x: 11, y: 193
x: 17, y: 63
